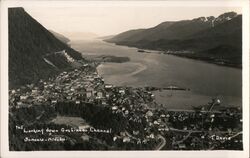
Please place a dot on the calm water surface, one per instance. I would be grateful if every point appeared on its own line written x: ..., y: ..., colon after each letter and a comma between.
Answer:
x: 154, y: 69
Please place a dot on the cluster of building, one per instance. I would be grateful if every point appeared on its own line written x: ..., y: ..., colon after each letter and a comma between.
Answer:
x: 186, y: 128
x: 77, y: 85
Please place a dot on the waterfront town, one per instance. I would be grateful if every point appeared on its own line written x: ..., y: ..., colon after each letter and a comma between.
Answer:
x: 80, y: 100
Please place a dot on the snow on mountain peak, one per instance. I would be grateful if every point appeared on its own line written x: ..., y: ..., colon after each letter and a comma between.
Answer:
x: 225, y: 17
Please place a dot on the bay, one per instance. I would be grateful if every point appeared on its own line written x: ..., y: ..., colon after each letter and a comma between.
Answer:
x: 205, y: 80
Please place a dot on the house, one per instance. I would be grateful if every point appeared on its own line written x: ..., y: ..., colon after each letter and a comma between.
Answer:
x: 100, y: 94
x: 104, y: 102
x: 149, y: 113
x: 69, y: 97
x: 126, y: 112
x: 19, y: 103
x: 122, y: 91
x: 114, y: 138
x: 163, y: 116
x: 108, y: 86
x: 53, y: 101
x: 23, y: 97
x: 126, y: 140
x: 88, y: 94
x: 136, y: 132
x: 34, y: 91
x: 150, y: 124
x: 145, y: 141
x: 156, y: 122
x: 152, y: 136
x: 159, y: 120
x: 181, y: 146
x: 22, y: 105
x: 114, y: 108
x: 78, y: 102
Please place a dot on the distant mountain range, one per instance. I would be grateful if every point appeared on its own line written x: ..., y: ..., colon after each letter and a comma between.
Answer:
x: 34, y: 52
x: 214, y: 39
x: 74, y: 36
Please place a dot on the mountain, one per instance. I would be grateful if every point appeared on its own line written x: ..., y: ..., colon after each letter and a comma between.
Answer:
x: 106, y: 37
x: 225, y: 17
x: 165, y: 30
x: 60, y: 37
x: 74, y: 36
x: 206, y: 38
x: 34, y: 52
x: 130, y: 35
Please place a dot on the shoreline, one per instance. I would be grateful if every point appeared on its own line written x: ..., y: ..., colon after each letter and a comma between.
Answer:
x: 145, y: 50
x: 120, y: 76
x: 142, y: 105
x: 207, y: 61
x: 106, y: 58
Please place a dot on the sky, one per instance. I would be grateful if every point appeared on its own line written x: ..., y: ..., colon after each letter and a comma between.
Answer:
x: 110, y: 20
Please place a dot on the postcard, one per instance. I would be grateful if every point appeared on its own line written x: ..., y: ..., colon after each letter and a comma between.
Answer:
x: 125, y: 78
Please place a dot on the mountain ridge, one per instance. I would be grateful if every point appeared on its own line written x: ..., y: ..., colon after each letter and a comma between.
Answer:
x: 197, y: 35
x: 60, y: 37
x: 31, y: 46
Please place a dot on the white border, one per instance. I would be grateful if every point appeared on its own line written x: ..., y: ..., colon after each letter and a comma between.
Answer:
x: 113, y: 154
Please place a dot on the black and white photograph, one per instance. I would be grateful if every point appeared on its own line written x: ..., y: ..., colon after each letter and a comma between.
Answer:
x: 126, y: 76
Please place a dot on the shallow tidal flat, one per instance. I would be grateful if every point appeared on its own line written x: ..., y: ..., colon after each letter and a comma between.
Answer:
x: 107, y: 58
